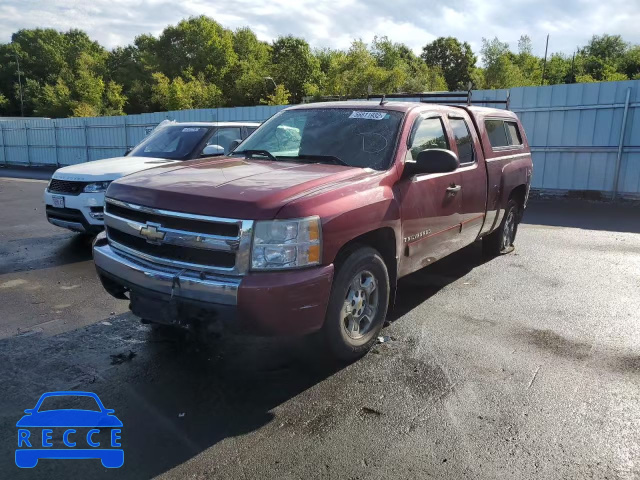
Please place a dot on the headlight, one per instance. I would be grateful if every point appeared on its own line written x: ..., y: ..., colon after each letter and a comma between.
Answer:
x: 96, y: 187
x: 281, y: 244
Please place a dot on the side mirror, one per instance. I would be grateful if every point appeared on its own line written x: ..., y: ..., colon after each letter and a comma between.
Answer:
x: 211, y: 150
x: 29, y: 411
x: 128, y: 151
x: 233, y: 145
x: 433, y: 160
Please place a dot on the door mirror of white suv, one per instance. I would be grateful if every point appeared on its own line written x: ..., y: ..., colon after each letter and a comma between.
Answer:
x: 211, y: 150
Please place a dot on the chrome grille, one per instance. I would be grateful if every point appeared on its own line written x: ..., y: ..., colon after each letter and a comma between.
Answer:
x: 179, y: 240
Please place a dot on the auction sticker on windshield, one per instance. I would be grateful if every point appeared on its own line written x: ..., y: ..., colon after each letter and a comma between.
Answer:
x: 368, y: 115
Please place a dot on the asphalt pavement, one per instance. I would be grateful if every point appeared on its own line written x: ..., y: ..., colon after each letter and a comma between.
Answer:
x: 522, y: 366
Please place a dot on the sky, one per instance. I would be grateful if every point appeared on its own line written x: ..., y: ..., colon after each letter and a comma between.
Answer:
x: 329, y: 23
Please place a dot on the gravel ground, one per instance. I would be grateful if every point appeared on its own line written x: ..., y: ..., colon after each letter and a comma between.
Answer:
x: 524, y: 366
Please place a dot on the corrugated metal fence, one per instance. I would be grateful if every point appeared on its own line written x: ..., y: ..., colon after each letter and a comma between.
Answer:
x: 583, y: 136
x: 68, y: 141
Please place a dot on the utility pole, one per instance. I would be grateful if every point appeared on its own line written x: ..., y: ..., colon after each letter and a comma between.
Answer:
x: 20, y: 86
x: 573, y: 59
x: 544, y: 65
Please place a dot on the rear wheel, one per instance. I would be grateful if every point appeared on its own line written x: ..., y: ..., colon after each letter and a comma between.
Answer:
x: 357, y: 305
x: 501, y: 240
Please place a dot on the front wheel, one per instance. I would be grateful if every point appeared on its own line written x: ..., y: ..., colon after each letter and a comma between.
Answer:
x: 501, y: 240
x: 357, y: 305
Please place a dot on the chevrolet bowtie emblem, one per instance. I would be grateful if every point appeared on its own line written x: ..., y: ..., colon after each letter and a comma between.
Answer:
x: 151, y: 233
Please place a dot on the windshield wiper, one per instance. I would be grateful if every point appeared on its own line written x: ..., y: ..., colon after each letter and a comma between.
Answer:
x: 250, y: 153
x: 322, y: 158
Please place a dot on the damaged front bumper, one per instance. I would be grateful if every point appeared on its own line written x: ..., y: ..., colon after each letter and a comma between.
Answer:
x: 274, y: 303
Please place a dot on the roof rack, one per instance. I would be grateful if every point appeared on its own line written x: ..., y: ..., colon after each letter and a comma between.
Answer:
x: 432, y: 97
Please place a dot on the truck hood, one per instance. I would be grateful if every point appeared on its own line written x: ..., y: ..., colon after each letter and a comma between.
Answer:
x: 228, y: 187
x: 108, y: 169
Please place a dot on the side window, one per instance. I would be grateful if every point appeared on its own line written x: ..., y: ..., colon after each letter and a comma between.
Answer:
x: 428, y: 134
x: 224, y: 136
x: 250, y: 130
x: 497, y: 133
x: 514, y: 133
x: 464, y: 140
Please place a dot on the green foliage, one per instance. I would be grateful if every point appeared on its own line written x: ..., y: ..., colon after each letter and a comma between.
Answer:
x: 455, y: 59
x: 630, y: 63
x: 114, y: 100
x: 199, y: 44
x: 245, y: 82
x: 605, y: 47
x: 51, y: 100
x: 385, y: 67
x: 181, y: 94
x: 558, y: 69
x: 501, y: 71
x: 198, y: 63
x: 280, y: 96
x: 294, y: 65
x: 84, y: 110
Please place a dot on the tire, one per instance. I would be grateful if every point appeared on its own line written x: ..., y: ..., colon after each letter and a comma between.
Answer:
x: 362, y: 281
x: 501, y: 240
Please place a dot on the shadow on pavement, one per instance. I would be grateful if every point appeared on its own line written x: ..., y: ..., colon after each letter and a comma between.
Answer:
x: 34, y: 173
x: 418, y: 287
x: 26, y: 254
x: 176, y: 397
x: 588, y: 215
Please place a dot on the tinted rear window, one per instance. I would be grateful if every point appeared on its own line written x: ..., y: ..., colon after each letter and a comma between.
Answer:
x: 497, y: 133
x: 514, y: 133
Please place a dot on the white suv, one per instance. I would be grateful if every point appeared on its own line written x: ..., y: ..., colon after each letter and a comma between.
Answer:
x: 74, y: 197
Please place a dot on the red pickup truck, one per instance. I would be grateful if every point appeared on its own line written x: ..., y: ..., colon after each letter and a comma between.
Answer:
x: 309, y: 223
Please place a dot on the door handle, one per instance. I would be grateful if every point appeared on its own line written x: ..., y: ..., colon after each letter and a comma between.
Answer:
x: 453, y: 189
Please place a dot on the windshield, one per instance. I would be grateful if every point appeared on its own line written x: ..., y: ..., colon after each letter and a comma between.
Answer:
x: 175, y: 142
x: 353, y: 137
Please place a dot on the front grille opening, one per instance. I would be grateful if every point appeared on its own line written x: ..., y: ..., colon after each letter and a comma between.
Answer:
x: 211, y: 258
x: 186, y: 224
x: 66, y: 186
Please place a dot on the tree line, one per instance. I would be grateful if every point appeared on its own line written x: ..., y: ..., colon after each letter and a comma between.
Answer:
x: 200, y: 64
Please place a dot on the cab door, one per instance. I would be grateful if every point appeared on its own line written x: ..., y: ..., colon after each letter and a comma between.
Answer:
x: 473, y: 176
x: 431, y: 204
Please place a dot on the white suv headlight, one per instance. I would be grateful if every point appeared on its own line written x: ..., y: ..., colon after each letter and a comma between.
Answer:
x: 96, y: 187
x: 282, y: 244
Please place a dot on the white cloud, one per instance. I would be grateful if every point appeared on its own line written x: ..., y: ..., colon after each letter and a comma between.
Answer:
x: 335, y: 23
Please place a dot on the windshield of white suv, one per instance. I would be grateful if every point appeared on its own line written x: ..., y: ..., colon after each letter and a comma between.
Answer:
x: 175, y: 142
x: 344, y: 136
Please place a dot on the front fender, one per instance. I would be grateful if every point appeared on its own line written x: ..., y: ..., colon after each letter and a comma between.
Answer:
x: 349, y: 211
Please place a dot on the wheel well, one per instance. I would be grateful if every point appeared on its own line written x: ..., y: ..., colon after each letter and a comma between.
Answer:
x: 384, y: 241
x: 519, y: 194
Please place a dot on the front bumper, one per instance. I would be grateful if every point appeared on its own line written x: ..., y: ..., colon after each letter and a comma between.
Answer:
x: 76, y: 215
x: 273, y: 303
